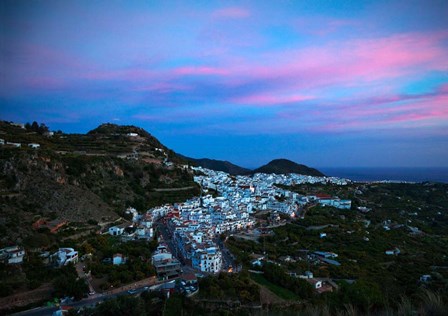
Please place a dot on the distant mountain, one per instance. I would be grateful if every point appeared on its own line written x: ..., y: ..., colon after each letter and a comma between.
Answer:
x: 279, y: 166
x: 287, y: 166
x: 219, y: 165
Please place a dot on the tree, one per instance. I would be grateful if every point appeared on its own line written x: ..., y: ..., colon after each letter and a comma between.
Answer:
x: 43, y: 129
x: 35, y: 127
x: 68, y: 284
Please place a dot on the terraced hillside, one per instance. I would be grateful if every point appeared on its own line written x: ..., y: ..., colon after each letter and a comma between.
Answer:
x: 81, y: 178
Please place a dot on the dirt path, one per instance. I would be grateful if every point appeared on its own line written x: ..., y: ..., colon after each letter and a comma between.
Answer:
x: 174, y: 189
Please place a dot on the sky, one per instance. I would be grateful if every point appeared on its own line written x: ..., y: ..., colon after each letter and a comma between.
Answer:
x: 323, y: 83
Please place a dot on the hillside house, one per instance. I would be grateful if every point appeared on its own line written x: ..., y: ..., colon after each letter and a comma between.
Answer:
x: 393, y: 252
x: 207, y: 260
x: 425, y: 278
x: 166, y: 266
x: 34, y: 146
x: 18, y: 145
x: 12, y: 255
x: 306, y: 275
x: 316, y: 284
x: 144, y: 233
x: 116, y: 231
x: 64, y: 256
x: 118, y: 259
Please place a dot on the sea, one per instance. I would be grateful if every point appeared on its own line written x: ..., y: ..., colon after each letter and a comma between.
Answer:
x: 388, y: 174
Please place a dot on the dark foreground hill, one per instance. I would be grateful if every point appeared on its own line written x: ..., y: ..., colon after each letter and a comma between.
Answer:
x: 287, y: 166
x: 84, y: 177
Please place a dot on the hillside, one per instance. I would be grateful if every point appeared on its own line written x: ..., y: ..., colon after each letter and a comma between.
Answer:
x: 84, y: 177
x: 287, y: 166
x: 219, y: 165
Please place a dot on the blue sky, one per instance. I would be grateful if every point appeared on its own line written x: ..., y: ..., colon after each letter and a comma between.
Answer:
x: 325, y: 83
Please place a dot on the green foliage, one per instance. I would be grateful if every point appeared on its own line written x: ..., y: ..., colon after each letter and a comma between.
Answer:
x: 363, y: 295
x: 122, y: 305
x: 68, y: 284
x: 280, y: 291
x: 148, y: 303
x: 278, y: 275
x: 229, y: 286
x: 137, y: 266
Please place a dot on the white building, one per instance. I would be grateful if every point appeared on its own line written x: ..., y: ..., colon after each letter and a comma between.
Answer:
x: 12, y: 255
x: 116, y: 231
x: 118, y: 259
x: 14, y: 144
x: 161, y: 254
x: 133, y: 212
x: 65, y: 256
x: 34, y: 145
x: 207, y: 260
x: 144, y: 233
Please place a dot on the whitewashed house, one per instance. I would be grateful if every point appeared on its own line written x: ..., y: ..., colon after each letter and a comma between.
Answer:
x: 12, y: 255
x: 116, y: 231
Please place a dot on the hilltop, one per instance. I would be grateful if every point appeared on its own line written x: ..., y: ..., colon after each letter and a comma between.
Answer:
x: 280, y: 166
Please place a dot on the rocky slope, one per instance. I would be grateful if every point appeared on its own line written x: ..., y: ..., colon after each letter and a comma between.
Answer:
x: 84, y: 177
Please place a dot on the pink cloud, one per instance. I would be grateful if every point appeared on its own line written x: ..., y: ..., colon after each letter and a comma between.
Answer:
x: 231, y: 12
x: 394, y: 112
x: 428, y: 111
x: 164, y: 87
x: 352, y: 63
x: 261, y: 99
x: 198, y: 71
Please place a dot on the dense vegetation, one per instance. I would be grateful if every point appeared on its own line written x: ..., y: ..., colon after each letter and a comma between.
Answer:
x: 410, y: 217
x: 137, y: 266
x: 229, y: 286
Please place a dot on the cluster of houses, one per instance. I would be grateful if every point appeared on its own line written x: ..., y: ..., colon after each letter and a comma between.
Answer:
x: 258, y: 192
x: 197, y: 223
x: 16, y: 254
x: 140, y: 228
